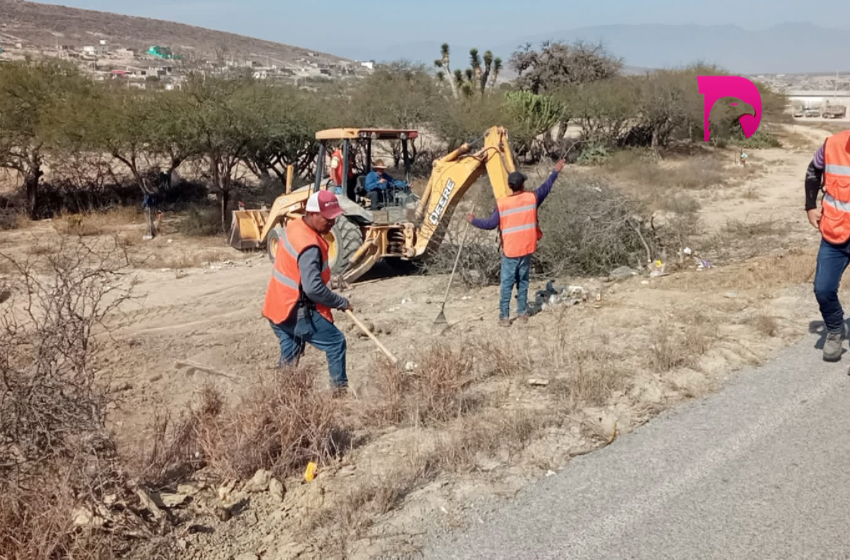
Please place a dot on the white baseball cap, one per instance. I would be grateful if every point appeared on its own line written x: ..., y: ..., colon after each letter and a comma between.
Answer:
x: 325, y: 203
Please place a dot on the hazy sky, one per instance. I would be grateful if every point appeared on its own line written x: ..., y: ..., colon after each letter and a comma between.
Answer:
x: 339, y: 23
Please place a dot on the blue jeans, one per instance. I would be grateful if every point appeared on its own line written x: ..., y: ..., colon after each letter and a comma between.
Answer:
x: 325, y: 337
x: 832, y: 261
x: 515, y: 271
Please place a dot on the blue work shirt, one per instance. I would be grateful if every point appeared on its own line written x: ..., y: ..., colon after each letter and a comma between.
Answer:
x: 373, y: 181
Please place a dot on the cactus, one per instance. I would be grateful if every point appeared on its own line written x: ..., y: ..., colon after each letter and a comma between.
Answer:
x: 538, y: 112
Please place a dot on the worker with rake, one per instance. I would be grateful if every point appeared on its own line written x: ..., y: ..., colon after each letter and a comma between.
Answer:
x: 298, y: 301
x: 516, y: 217
x: 831, y: 167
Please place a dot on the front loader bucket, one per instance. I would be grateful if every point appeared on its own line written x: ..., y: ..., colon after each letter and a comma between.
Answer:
x: 246, y: 228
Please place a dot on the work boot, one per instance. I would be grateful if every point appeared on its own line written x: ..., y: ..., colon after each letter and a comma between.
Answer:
x: 522, y: 319
x: 832, y: 346
x: 504, y: 322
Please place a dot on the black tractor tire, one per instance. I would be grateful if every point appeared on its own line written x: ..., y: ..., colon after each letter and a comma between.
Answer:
x: 348, y: 237
x: 275, y: 237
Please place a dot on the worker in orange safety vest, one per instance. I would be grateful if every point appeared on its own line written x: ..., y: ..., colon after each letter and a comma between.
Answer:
x: 298, y: 301
x: 829, y: 171
x: 516, y: 217
x: 336, y: 165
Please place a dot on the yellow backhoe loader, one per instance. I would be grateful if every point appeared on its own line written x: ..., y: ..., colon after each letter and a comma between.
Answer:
x: 406, y: 227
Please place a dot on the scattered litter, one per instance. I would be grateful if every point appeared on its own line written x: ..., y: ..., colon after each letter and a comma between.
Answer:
x: 170, y: 241
x: 731, y: 295
x: 464, y: 298
x: 657, y: 269
x: 702, y: 264
x: 310, y: 473
x: 645, y: 282
x: 551, y: 473
x: 556, y: 296
x: 687, y: 251
x: 538, y: 382
x: 410, y: 366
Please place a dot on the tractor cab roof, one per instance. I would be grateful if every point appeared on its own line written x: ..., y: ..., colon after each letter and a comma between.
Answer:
x: 364, y: 133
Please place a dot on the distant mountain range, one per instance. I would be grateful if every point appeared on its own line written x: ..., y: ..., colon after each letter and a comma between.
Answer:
x: 789, y: 48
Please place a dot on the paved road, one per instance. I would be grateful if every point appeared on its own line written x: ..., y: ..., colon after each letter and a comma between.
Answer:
x: 759, y: 470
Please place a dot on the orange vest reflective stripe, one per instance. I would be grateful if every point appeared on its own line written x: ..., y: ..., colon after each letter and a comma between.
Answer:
x: 835, y: 221
x: 284, y: 287
x: 518, y: 224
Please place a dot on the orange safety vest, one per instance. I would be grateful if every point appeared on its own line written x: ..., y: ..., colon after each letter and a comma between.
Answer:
x: 284, y: 289
x: 336, y: 174
x: 518, y: 224
x: 835, y: 221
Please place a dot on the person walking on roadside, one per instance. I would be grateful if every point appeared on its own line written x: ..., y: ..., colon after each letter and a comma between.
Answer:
x: 516, y: 217
x: 298, y: 301
x: 829, y: 171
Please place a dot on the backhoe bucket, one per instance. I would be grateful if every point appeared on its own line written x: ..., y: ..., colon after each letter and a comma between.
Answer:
x: 246, y: 228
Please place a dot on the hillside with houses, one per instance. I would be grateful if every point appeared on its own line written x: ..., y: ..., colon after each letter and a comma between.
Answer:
x: 150, y: 53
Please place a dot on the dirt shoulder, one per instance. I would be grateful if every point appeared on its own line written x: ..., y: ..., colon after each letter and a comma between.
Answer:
x: 481, y: 411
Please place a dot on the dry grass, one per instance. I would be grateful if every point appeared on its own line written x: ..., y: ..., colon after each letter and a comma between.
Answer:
x: 751, y: 193
x: 793, y: 139
x: 678, y: 202
x: 766, y: 324
x: 118, y: 216
x: 595, y: 374
x: 463, y: 445
x: 10, y: 219
x: 357, y: 507
x: 670, y: 348
x: 96, y: 223
x: 747, y: 230
x: 691, y: 174
x: 40, y: 249
x: 56, y: 453
x: 744, y: 172
x: 433, y: 394
x: 79, y: 224
x: 280, y: 425
x: 203, y: 222
x: 792, y: 269
x: 188, y: 260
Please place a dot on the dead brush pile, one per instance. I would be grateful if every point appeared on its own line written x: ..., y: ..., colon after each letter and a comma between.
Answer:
x: 57, y: 458
x: 283, y: 423
x: 589, y: 228
x: 432, y: 395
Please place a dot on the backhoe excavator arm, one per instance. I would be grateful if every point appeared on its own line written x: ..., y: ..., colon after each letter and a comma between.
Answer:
x: 451, y: 178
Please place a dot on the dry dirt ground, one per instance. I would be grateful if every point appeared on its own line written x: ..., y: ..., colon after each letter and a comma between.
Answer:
x: 634, y: 348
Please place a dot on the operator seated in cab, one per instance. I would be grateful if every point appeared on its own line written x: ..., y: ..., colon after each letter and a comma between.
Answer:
x: 379, y: 183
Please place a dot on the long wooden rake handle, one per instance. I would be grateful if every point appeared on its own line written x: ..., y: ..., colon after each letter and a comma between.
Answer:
x: 377, y: 342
